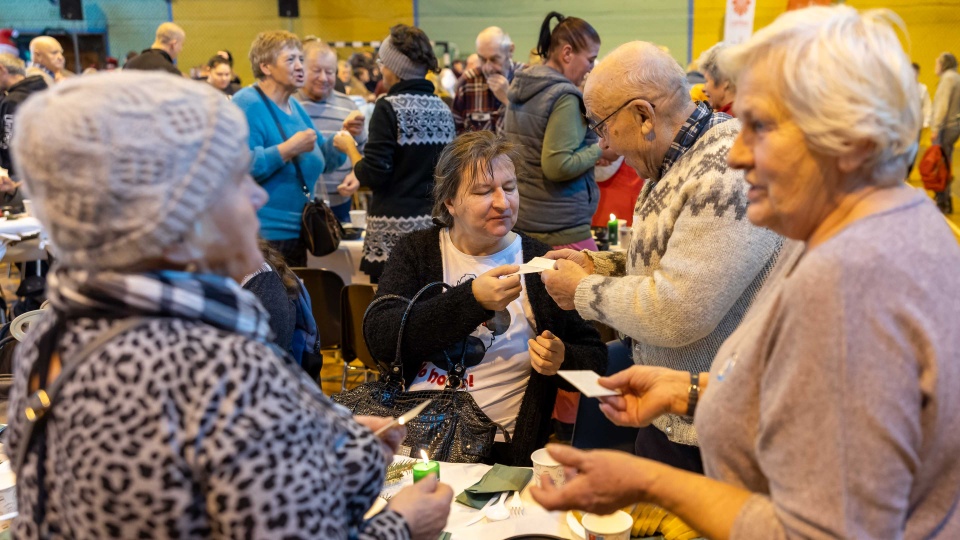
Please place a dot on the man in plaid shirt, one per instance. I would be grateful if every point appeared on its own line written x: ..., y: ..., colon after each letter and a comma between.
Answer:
x: 481, y: 98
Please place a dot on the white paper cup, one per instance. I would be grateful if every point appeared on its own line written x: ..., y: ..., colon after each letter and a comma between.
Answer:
x: 28, y: 207
x: 615, y: 526
x: 358, y: 218
x: 544, y: 464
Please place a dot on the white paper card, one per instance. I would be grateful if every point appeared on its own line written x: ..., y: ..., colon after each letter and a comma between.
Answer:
x: 586, y: 381
x: 536, y: 265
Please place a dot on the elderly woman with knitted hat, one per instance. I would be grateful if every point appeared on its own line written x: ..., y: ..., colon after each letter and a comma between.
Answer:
x: 408, y: 130
x: 148, y: 402
x: 289, y: 154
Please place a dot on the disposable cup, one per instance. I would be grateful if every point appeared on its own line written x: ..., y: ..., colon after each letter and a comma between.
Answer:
x: 544, y: 464
x: 615, y: 526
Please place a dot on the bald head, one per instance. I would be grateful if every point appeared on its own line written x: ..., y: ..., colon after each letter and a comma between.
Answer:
x: 637, y: 69
x: 495, y: 51
x: 170, y: 38
x: 47, y: 53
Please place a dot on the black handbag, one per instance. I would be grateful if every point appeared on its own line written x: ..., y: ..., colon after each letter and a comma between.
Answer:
x: 453, y: 428
x: 320, y: 229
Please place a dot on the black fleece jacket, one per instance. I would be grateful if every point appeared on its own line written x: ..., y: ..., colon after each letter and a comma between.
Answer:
x: 15, y: 96
x: 439, y: 320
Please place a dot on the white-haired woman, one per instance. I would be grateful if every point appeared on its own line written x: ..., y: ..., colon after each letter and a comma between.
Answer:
x: 718, y: 86
x: 832, y: 411
x: 176, y: 418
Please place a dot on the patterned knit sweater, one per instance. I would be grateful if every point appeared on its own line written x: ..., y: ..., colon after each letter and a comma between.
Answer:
x: 693, y: 268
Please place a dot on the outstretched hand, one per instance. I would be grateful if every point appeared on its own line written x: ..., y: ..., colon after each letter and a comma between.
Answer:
x: 599, y: 481
x: 646, y: 393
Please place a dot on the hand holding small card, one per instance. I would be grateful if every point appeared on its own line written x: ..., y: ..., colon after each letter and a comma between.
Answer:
x: 586, y: 382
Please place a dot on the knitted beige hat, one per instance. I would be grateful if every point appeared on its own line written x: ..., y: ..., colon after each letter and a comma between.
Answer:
x: 119, y: 166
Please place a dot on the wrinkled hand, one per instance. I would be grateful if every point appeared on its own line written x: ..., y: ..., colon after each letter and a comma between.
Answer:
x: 609, y: 155
x: 562, y: 283
x: 425, y: 507
x: 349, y: 186
x: 646, y: 393
x: 498, y: 85
x: 604, y: 481
x: 390, y: 440
x: 354, y: 123
x: 8, y: 186
x: 495, y: 293
x: 343, y: 141
x: 572, y: 255
x: 302, y: 142
x: 546, y: 353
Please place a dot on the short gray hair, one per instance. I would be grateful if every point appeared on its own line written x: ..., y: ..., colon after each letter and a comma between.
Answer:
x: 267, y: 46
x: 466, y: 158
x: 709, y: 65
x: 12, y: 64
x: 844, y: 78
x: 315, y: 44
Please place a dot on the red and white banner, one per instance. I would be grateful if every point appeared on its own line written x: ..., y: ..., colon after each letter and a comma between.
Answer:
x: 800, y: 4
x: 738, y: 24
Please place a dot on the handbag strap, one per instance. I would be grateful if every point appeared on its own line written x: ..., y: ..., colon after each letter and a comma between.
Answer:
x: 42, y: 401
x: 296, y: 159
x: 396, y: 367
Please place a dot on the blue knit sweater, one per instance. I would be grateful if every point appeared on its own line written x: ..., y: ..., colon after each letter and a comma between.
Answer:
x: 280, y: 217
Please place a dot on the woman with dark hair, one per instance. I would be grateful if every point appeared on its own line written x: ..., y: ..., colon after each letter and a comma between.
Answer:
x: 408, y: 130
x: 220, y: 74
x: 544, y: 120
x: 526, y: 337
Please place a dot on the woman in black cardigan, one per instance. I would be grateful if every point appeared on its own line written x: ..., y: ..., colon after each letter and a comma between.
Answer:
x: 476, y: 252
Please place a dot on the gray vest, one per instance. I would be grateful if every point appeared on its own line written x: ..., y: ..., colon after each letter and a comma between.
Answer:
x: 546, y: 206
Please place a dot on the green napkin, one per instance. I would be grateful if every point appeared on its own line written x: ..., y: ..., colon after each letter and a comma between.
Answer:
x: 497, y: 480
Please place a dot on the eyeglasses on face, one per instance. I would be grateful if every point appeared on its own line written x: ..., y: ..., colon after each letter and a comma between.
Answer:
x: 598, y: 126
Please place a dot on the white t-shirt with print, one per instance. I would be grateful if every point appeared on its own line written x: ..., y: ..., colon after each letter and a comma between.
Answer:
x: 499, y: 382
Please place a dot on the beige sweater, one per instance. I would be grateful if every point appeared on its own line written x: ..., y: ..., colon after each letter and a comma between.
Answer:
x: 946, y: 102
x: 836, y: 401
x: 691, y: 271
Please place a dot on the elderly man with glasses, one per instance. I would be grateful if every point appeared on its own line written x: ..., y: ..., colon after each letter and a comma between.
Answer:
x: 695, y: 263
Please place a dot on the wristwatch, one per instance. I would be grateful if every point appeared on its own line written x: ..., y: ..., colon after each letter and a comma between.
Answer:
x: 694, y: 394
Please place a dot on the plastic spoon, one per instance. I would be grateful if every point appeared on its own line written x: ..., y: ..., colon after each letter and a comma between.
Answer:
x: 498, y: 512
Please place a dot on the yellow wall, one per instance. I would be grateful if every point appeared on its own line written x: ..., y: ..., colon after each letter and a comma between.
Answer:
x: 212, y: 25
x: 932, y: 25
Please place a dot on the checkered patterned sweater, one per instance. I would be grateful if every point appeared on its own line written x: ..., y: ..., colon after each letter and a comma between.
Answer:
x: 693, y: 267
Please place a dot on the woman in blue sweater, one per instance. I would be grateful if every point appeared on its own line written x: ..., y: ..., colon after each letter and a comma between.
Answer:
x: 283, y: 140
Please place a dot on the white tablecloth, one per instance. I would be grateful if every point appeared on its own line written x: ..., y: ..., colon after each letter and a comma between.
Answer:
x: 345, y: 261
x: 19, y: 226
x: 534, y: 520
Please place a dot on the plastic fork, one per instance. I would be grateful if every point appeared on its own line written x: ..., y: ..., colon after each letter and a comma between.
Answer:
x: 516, y: 505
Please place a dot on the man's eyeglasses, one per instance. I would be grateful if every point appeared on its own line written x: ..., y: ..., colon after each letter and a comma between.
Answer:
x: 597, y: 127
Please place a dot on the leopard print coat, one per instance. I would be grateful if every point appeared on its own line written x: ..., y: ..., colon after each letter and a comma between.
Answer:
x: 177, y: 429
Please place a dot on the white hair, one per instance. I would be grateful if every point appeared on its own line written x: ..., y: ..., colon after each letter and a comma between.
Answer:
x: 708, y: 62
x: 845, y: 79
x: 643, y: 69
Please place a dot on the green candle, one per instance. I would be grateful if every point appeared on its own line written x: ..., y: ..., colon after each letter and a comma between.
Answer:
x: 422, y: 469
x: 613, y: 234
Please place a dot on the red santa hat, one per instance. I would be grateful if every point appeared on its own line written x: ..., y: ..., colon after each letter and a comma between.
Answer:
x: 6, y: 42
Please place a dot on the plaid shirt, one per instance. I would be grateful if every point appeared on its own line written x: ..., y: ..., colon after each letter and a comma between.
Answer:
x: 475, y: 108
x: 702, y: 119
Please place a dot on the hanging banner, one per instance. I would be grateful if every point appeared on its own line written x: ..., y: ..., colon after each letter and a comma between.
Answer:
x: 738, y: 24
x: 800, y: 4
